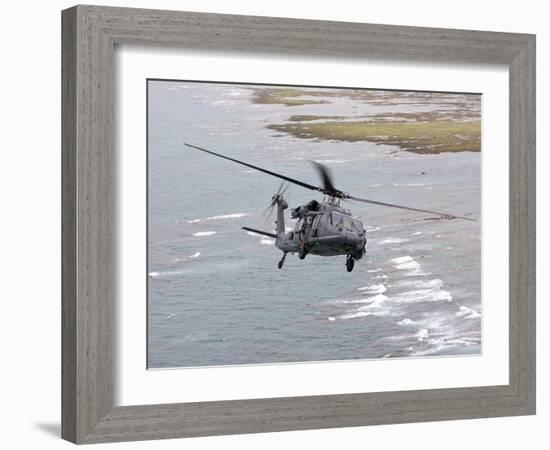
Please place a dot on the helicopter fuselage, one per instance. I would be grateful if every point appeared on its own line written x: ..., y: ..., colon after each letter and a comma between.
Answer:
x: 322, y: 228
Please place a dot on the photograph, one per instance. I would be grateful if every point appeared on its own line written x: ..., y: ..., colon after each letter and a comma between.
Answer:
x: 295, y: 224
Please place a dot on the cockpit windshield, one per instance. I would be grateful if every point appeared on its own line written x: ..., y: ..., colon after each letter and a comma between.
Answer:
x: 347, y: 222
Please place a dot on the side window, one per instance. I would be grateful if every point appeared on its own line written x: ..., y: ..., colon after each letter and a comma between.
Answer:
x: 316, y: 221
x: 335, y: 218
x: 357, y: 225
x: 299, y: 225
x: 346, y: 222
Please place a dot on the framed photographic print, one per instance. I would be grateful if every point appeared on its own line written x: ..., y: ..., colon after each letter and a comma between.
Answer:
x: 265, y: 228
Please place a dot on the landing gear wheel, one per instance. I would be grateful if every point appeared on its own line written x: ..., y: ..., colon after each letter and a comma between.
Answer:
x: 350, y: 262
x: 302, y: 253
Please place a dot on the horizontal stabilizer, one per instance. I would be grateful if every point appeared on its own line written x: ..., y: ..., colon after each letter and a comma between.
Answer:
x: 265, y: 233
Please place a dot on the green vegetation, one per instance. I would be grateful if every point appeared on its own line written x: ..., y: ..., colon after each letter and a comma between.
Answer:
x: 436, y: 136
x: 438, y: 123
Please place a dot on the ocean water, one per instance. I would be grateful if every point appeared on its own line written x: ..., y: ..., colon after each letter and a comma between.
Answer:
x: 215, y: 295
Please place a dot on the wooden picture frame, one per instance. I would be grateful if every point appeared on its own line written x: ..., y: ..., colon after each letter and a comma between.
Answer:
x: 90, y: 34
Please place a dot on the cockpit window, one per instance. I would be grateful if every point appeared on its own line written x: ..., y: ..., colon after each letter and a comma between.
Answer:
x: 316, y: 221
x: 347, y: 222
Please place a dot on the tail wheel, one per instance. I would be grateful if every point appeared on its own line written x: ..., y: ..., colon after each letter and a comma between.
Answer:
x: 350, y: 262
x: 302, y: 252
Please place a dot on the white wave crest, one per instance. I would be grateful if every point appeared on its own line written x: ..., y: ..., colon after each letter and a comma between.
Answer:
x: 220, y: 217
x: 436, y: 283
x: 194, y: 255
x: 423, y: 291
x: 267, y: 241
x: 423, y: 295
x: 373, y: 289
x: 405, y: 263
x: 467, y: 313
x: 227, y: 216
x: 204, y: 233
x: 408, y: 263
x: 393, y: 241
x: 422, y: 334
x: 358, y: 314
x: 167, y: 273
x: 373, y: 308
x: 405, y: 322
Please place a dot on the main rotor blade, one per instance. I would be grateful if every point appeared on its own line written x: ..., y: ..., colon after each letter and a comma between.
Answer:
x: 443, y: 215
x: 274, y: 174
x: 325, y: 175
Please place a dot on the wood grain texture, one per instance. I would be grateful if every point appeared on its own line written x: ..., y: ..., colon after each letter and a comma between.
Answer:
x: 89, y: 36
x: 68, y: 226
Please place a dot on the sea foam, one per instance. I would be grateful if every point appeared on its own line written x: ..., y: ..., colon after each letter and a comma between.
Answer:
x: 220, y: 217
x: 373, y: 289
x: 204, y: 233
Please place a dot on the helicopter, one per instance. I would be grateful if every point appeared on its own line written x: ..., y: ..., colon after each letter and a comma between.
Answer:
x: 323, y: 228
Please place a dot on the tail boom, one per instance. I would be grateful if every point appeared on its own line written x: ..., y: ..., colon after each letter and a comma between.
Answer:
x: 264, y: 233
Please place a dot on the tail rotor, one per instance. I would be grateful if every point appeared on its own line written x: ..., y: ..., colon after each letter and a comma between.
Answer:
x: 283, y: 187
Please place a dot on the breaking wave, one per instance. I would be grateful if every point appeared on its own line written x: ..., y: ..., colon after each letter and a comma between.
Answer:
x: 220, y: 217
x: 467, y: 313
x: 204, y: 233
x: 373, y: 289
x: 423, y: 291
x: 371, y: 229
x: 375, y: 307
x: 393, y: 241
x: 405, y: 322
x: 194, y: 255
x: 408, y: 263
x: 422, y: 334
x: 423, y: 295
x: 167, y: 273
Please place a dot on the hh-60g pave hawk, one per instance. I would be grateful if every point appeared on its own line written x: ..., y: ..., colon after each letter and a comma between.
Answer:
x: 323, y: 228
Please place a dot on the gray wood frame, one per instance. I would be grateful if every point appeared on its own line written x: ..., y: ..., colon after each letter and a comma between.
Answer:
x: 89, y: 36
